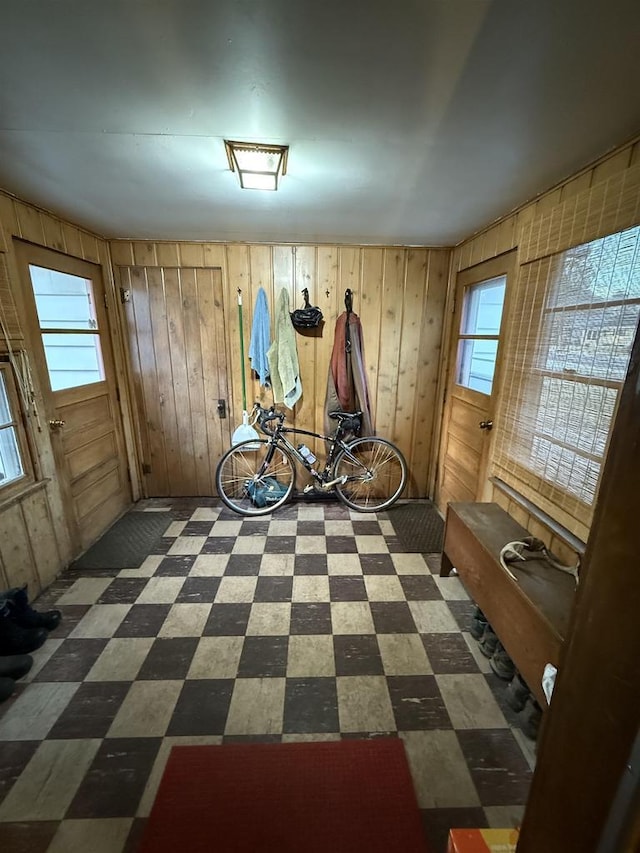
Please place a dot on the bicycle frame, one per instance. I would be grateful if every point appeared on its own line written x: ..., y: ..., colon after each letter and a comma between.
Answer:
x: 336, y: 443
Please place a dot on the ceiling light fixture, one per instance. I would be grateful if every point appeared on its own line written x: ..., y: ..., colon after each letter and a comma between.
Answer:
x: 258, y: 166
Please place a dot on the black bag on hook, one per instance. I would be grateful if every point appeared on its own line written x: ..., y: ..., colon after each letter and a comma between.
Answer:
x: 306, y: 317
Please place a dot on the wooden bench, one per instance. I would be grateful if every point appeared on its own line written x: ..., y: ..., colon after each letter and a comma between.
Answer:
x: 530, y: 616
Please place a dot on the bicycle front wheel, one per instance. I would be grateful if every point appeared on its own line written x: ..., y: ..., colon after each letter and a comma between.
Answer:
x: 252, y: 478
x: 375, y: 474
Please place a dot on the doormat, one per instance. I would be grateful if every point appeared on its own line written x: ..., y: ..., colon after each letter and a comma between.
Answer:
x: 345, y: 797
x: 126, y: 544
x: 418, y: 526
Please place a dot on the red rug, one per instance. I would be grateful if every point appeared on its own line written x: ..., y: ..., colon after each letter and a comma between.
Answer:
x: 351, y: 796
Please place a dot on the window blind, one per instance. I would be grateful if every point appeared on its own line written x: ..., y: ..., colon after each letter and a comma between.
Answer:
x: 10, y: 325
x: 574, y: 322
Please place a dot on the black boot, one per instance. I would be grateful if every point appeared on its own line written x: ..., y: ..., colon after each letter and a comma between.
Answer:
x: 489, y: 642
x: 502, y: 664
x: 530, y: 718
x: 15, y: 666
x: 517, y: 692
x: 25, y: 616
x: 7, y: 686
x: 478, y: 624
x: 15, y: 640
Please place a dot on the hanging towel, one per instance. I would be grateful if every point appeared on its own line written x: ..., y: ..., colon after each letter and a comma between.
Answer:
x: 283, y: 356
x: 260, y: 339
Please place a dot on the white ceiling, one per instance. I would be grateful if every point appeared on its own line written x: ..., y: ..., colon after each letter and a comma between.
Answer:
x: 410, y: 122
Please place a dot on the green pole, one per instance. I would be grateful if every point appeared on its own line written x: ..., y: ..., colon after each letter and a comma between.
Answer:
x: 244, y: 390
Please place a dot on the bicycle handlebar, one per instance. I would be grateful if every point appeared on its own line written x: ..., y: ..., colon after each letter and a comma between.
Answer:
x: 263, y: 416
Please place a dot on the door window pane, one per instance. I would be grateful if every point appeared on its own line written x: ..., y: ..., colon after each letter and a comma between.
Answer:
x: 73, y: 360
x: 477, y: 364
x: 63, y: 301
x: 479, y: 331
x: 482, y: 311
x: 68, y: 320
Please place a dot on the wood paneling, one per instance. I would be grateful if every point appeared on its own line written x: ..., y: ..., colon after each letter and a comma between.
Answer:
x: 15, y: 550
x: 175, y: 321
x: 601, y: 199
x: 398, y: 293
x: 35, y: 539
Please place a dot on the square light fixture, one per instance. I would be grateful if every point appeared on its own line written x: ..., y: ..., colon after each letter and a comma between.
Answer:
x: 258, y: 166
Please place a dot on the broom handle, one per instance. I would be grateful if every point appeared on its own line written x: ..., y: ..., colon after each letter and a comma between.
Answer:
x: 244, y: 389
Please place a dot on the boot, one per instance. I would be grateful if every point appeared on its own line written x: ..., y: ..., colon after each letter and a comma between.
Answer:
x: 15, y: 640
x: 15, y: 666
x: 7, y: 686
x: 489, y: 641
x: 530, y: 718
x: 478, y: 624
x: 517, y: 693
x: 25, y: 616
x: 502, y: 664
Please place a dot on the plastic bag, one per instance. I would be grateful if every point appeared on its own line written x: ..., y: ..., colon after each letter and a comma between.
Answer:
x: 266, y: 491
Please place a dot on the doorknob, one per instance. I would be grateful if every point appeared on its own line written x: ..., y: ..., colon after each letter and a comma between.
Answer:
x: 486, y: 425
x: 56, y: 424
x: 222, y: 408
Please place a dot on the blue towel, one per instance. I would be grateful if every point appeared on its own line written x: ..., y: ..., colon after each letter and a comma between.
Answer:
x: 260, y: 339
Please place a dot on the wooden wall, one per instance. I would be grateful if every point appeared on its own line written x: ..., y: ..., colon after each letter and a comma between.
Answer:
x: 399, y: 294
x: 601, y: 199
x: 34, y: 540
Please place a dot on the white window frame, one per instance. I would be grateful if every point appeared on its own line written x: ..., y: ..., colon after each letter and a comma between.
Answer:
x: 12, y: 487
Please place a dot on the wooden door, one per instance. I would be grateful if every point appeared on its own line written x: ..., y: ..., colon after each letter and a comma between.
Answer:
x: 67, y: 317
x: 473, y: 380
x: 175, y: 321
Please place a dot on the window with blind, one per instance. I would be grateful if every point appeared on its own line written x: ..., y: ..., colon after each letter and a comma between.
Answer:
x: 574, y: 323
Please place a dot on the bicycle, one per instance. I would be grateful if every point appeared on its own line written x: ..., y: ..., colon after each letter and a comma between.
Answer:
x: 257, y: 476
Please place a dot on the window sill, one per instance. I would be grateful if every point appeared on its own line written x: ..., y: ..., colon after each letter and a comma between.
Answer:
x: 20, y: 493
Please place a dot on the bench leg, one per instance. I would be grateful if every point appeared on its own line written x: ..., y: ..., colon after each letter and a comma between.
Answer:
x: 445, y: 566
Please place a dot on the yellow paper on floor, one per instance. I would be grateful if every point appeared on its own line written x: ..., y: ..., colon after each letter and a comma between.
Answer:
x: 482, y: 840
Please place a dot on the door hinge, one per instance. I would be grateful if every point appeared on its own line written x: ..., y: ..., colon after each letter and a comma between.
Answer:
x: 106, y: 303
x: 146, y: 468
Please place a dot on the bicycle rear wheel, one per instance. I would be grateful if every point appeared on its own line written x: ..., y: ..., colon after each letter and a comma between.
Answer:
x: 375, y: 472
x: 253, y: 480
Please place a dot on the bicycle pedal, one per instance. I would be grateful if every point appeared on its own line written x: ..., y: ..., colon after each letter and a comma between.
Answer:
x: 308, y: 488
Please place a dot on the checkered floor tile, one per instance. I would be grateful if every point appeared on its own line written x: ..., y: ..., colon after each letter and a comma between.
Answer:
x: 311, y: 624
